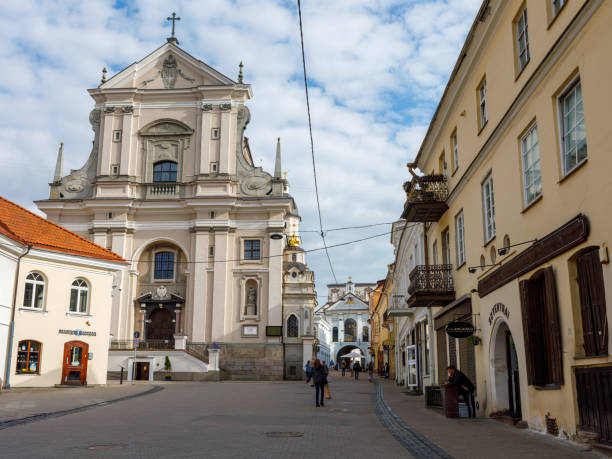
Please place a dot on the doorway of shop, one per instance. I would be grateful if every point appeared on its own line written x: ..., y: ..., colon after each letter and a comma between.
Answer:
x: 504, y: 366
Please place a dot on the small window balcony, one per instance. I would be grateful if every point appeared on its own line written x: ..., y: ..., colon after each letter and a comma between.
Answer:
x: 425, y: 198
x: 163, y: 190
x: 431, y: 285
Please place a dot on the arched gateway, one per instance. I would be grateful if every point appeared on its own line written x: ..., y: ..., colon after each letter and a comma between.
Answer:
x: 506, y: 389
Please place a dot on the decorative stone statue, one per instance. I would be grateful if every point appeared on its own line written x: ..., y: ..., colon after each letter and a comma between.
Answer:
x: 251, y: 306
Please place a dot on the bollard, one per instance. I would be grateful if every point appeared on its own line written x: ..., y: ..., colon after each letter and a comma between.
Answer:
x: 121, y: 376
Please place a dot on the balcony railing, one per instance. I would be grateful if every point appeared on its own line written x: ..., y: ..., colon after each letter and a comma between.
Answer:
x: 431, y: 285
x: 163, y: 190
x: 426, y: 198
x: 151, y: 344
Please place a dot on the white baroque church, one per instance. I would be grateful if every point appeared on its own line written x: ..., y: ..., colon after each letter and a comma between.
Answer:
x: 213, y: 241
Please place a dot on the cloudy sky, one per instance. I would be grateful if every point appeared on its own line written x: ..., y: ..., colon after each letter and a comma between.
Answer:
x: 377, y: 69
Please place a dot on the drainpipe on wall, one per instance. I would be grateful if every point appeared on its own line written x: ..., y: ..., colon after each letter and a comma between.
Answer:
x: 9, y: 351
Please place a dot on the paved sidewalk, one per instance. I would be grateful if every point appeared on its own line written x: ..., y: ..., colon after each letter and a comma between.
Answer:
x: 477, y: 438
x: 25, y: 402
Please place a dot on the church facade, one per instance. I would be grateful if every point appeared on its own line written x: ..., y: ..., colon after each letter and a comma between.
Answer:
x: 170, y: 185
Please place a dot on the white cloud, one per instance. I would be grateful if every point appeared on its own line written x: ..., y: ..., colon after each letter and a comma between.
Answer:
x: 378, y: 68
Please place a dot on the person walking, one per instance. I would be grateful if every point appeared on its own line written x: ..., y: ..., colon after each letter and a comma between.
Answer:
x: 465, y: 387
x: 343, y: 368
x: 356, y: 370
x: 370, y: 371
x: 308, y: 369
x: 319, y: 376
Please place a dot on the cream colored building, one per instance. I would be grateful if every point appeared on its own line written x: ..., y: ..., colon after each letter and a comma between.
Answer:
x: 61, y: 288
x: 171, y: 186
x: 517, y: 187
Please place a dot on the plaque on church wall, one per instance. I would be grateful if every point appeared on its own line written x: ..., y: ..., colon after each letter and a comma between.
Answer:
x: 249, y: 330
x: 274, y: 330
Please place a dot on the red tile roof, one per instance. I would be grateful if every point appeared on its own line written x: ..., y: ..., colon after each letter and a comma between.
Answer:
x: 28, y: 228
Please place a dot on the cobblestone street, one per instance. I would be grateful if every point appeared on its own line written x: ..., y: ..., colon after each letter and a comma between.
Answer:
x: 260, y: 420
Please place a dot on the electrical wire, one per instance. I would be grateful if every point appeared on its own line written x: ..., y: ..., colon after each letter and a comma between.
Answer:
x: 348, y: 227
x: 314, y: 168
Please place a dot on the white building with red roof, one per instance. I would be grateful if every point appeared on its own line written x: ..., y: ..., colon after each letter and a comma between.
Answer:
x: 56, y: 291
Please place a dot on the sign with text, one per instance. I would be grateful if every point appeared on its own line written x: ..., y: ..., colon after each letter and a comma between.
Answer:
x: 460, y: 329
x: 76, y: 332
x: 274, y: 330
x: 498, y: 308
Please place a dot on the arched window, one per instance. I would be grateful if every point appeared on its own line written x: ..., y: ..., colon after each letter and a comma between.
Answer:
x: 28, y: 357
x: 350, y: 330
x: 164, y: 171
x: 79, y: 296
x: 292, y: 326
x: 34, y: 294
x: 164, y: 265
x: 335, y: 335
x: 366, y: 334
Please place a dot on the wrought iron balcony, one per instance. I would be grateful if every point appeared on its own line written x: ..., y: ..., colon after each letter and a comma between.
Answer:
x: 431, y: 285
x: 426, y: 198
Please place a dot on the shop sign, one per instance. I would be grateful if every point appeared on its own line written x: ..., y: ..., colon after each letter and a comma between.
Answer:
x: 501, y: 308
x: 76, y: 332
x: 460, y: 329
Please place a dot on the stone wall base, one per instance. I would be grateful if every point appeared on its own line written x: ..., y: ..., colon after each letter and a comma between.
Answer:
x: 175, y: 376
x: 251, y: 362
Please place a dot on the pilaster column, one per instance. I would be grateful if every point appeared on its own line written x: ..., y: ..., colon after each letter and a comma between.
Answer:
x: 106, y: 142
x: 220, y: 287
x: 275, y: 282
x: 126, y: 141
x: 225, y: 146
x: 199, y: 285
x: 205, y: 130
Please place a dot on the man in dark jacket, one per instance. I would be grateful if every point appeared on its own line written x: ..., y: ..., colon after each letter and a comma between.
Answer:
x: 464, y: 386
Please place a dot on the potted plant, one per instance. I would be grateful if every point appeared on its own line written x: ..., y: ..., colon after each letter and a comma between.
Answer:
x: 168, y: 368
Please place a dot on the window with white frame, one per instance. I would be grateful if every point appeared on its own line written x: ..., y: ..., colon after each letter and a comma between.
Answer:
x: 455, y: 150
x: 574, y: 145
x: 460, y: 236
x: 79, y: 296
x: 482, y: 101
x: 522, y: 39
x: 532, y: 175
x: 556, y: 6
x: 488, y: 208
x: 252, y: 249
x: 34, y: 293
x: 446, y: 251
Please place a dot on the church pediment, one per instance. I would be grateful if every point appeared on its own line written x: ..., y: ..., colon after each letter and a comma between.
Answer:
x: 347, y: 302
x: 168, y: 67
x: 165, y: 127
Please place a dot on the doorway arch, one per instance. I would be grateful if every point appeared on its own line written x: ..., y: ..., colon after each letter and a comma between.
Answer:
x: 505, y: 383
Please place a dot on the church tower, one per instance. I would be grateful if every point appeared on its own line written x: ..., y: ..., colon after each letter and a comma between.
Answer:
x: 170, y: 185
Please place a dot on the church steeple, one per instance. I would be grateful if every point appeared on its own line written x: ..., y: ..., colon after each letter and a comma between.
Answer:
x: 59, y: 165
x: 277, y: 163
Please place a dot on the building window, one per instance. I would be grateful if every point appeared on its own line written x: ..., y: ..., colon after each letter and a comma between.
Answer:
x: 442, y: 164
x: 335, y: 335
x: 292, y: 326
x: 532, y: 175
x: 592, y: 303
x: 455, y: 150
x: 522, y: 40
x: 460, y: 242
x: 117, y: 135
x: 34, y: 294
x: 556, y: 6
x: 482, y: 102
x: 214, y: 133
x: 488, y: 206
x: 350, y: 330
x: 435, y: 252
x: 79, y: 296
x: 28, y: 357
x: 211, y: 251
x: 446, y: 253
x: 540, y: 313
x: 164, y: 265
x: 366, y: 334
x: 572, y: 126
x: 164, y: 171
x: 214, y: 166
x: 252, y: 249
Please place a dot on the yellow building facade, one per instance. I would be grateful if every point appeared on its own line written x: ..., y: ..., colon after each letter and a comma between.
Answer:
x: 383, y: 327
x: 515, y: 200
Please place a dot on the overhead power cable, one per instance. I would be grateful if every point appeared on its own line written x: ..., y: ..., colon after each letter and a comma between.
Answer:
x: 348, y: 227
x: 314, y: 167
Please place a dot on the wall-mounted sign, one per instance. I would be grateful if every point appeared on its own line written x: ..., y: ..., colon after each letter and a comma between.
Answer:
x: 136, y: 334
x: 76, y: 332
x: 249, y: 330
x: 498, y: 308
x: 460, y: 329
x: 274, y: 330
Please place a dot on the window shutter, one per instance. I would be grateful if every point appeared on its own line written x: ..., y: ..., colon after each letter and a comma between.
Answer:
x: 526, y: 288
x: 592, y: 304
x: 553, y: 328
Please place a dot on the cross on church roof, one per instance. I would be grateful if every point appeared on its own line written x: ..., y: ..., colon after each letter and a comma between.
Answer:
x: 173, y: 18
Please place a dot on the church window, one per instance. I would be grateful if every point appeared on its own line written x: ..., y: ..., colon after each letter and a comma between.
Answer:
x: 164, y: 265
x: 34, y: 293
x: 213, y: 167
x: 294, y: 257
x: 28, y: 357
x: 294, y: 274
x: 292, y: 326
x: 164, y: 171
x: 211, y: 251
x: 115, y: 169
x: 366, y: 334
x: 117, y: 135
x: 350, y: 330
x: 79, y: 296
x: 212, y: 214
x: 335, y: 335
x: 214, y: 133
x: 252, y: 249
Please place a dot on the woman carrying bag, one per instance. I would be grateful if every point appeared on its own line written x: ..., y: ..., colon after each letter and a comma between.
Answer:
x: 319, y: 377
